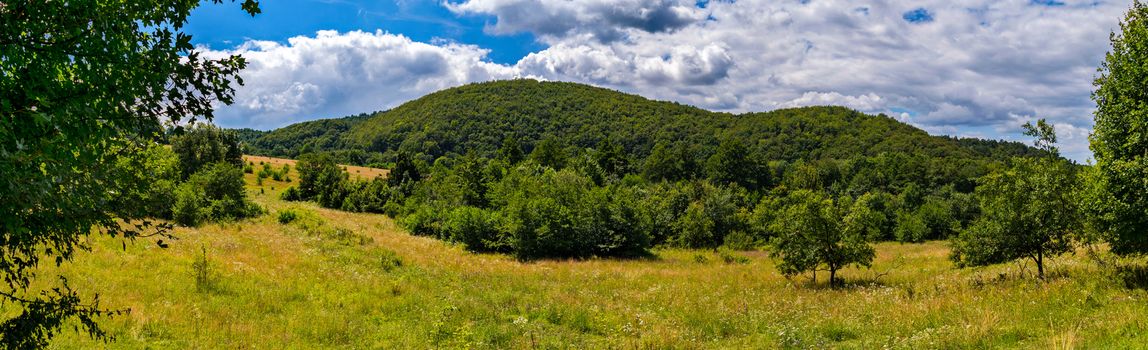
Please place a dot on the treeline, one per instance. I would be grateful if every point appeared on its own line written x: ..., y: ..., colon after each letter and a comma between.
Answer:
x: 555, y: 202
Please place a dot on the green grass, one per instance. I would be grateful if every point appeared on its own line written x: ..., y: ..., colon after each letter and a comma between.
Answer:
x: 330, y: 279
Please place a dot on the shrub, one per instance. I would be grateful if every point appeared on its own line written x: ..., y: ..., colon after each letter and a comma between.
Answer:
x: 389, y: 261
x: 475, y: 228
x: 188, y: 209
x: 287, y: 216
x: 291, y: 194
x: 739, y: 240
x: 214, y: 193
x: 730, y: 257
x: 910, y: 227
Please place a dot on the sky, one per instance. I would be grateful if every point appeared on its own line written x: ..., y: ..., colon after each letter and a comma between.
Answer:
x: 968, y: 68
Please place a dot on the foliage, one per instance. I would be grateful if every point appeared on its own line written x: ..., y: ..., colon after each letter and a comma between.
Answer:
x: 491, y: 119
x: 203, y: 144
x: 1120, y: 138
x: 158, y: 168
x: 814, y: 231
x: 287, y: 216
x: 1029, y: 211
x: 79, y: 82
x: 550, y: 213
x: 322, y: 180
x: 214, y: 193
x: 475, y: 228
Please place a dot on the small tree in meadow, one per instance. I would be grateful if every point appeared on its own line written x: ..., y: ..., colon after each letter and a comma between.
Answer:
x: 814, y: 234
x: 1029, y: 210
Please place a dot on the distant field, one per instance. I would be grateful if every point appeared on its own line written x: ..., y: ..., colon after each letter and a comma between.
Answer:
x: 358, y: 171
x: 330, y: 280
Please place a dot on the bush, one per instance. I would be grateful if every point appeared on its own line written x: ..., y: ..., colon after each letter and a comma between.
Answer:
x: 189, y: 206
x: 739, y: 240
x: 475, y: 228
x: 322, y: 180
x: 287, y: 216
x: 910, y: 227
x: 291, y: 194
x: 389, y: 261
x: 730, y: 257
x: 214, y: 193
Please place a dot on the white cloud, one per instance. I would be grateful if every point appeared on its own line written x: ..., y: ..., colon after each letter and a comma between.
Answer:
x: 978, y: 64
x: 335, y: 74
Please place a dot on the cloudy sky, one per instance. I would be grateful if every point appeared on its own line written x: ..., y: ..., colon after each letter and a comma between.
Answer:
x: 976, y: 68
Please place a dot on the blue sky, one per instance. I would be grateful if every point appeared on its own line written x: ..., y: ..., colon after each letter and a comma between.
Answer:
x: 222, y: 26
x: 976, y: 68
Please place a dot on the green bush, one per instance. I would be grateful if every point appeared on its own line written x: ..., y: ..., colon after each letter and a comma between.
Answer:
x: 214, y: 193
x: 910, y: 227
x: 475, y: 228
x: 291, y: 194
x: 287, y: 216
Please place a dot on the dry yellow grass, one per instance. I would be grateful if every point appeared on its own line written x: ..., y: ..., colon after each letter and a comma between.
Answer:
x: 356, y: 171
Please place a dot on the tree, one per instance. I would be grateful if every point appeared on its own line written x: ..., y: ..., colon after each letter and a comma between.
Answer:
x: 204, y: 144
x: 511, y: 150
x: 404, y: 172
x: 1028, y: 211
x: 812, y: 232
x: 549, y: 152
x: 1120, y: 137
x: 733, y: 163
x: 214, y: 193
x: 670, y: 162
x: 79, y: 79
x: 322, y: 180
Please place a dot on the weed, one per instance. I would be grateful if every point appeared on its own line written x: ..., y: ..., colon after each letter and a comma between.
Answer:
x: 201, y: 268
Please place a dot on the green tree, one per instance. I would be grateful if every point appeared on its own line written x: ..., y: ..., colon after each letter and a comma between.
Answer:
x: 670, y: 162
x: 1028, y: 211
x: 511, y: 150
x: 812, y: 232
x: 214, y: 193
x: 549, y: 152
x: 79, y: 79
x: 405, y: 171
x: 733, y: 163
x: 203, y: 144
x: 322, y: 180
x: 1120, y: 137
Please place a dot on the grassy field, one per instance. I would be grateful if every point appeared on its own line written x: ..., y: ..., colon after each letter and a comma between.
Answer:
x: 356, y: 171
x: 332, y: 279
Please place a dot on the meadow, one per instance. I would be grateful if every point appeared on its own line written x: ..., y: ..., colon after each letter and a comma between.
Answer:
x: 333, y: 279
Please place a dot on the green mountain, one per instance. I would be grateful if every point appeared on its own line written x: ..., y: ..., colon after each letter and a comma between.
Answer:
x: 478, y: 117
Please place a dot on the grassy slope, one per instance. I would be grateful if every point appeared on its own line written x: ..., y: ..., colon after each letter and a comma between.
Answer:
x: 283, y: 286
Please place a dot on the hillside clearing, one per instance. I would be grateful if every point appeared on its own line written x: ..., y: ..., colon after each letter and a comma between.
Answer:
x: 356, y: 171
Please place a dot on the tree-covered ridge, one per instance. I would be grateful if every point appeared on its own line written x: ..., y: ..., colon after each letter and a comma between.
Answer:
x: 479, y: 117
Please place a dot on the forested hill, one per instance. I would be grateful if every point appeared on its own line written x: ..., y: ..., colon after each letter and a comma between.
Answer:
x: 480, y: 117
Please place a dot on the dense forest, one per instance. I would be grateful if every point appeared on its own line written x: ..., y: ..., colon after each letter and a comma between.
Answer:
x: 479, y: 117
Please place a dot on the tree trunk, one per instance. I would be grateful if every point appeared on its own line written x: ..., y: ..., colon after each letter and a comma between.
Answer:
x: 1040, y: 263
x: 832, y: 276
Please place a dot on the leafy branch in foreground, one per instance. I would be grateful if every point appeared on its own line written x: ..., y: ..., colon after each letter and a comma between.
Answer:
x: 83, y: 84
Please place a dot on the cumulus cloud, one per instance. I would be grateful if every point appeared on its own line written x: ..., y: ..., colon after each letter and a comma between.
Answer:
x: 946, y: 66
x: 335, y: 74
x: 604, y: 20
